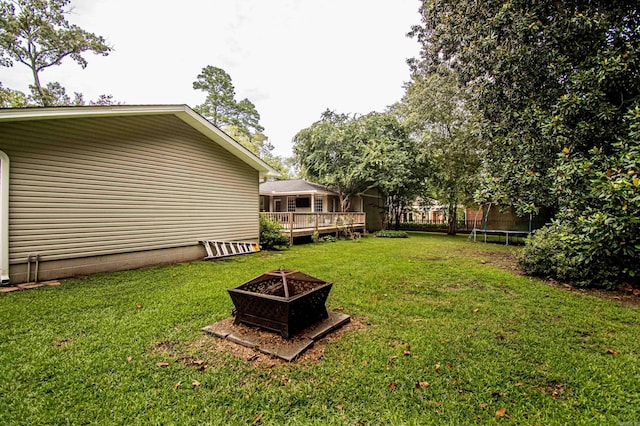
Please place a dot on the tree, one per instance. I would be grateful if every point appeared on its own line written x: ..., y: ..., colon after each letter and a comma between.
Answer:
x: 595, y: 239
x: 10, y: 98
x: 238, y: 118
x: 328, y: 153
x: 259, y: 144
x: 104, y: 100
x: 56, y: 95
x: 53, y: 94
x: 36, y: 34
x: 436, y: 110
x: 353, y: 154
x: 392, y: 160
x: 221, y: 108
x: 551, y: 79
x: 220, y: 105
x: 547, y: 75
x: 248, y: 119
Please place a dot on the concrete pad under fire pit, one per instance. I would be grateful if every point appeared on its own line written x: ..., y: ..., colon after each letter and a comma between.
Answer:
x: 273, y: 344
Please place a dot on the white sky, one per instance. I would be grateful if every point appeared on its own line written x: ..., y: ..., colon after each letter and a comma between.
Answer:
x: 292, y: 58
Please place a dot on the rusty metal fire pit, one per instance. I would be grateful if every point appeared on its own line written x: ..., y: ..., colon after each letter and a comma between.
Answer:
x: 282, y: 301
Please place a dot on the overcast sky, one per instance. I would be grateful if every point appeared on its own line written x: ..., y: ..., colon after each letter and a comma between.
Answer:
x: 292, y: 58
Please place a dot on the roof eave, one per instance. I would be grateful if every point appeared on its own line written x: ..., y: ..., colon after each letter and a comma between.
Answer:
x: 183, y: 112
x: 201, y: 124
x: 308, y: 192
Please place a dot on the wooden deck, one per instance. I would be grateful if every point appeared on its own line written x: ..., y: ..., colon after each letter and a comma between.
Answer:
x: 303, y: 224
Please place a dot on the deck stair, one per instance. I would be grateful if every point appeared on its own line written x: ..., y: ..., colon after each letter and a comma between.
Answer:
x: 218, y: 249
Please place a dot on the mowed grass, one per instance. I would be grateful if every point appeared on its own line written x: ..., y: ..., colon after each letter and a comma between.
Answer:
x: 493, y: 347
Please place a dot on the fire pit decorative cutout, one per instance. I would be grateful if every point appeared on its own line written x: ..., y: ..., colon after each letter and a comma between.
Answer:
x: 282, y: 301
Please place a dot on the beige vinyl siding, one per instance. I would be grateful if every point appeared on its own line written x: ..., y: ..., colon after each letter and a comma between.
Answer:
x: 94, y: 186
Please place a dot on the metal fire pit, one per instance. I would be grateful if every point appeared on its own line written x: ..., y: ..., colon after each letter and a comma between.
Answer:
x: 282, y: 301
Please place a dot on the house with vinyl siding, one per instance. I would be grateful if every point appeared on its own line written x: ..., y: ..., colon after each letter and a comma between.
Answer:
x: 301, y: 196
x: 91, y: 189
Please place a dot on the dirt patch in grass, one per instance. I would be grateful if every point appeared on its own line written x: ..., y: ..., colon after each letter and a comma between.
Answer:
x: 62, y: 343
x: 554, y: 389
x: 508, y: 262
x: 213, y: 349
x: 625, y: 294
x: 164, y: 348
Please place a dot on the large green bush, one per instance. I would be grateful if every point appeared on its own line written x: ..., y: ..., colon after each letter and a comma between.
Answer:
x: 562, y: 253
x: 271, y: 234
x: 595, y: 239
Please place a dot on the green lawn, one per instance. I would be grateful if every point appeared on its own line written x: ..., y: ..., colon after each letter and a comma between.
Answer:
x: 482, y: 337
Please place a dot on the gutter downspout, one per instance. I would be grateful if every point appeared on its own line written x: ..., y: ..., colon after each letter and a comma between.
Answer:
x: 4, y: 218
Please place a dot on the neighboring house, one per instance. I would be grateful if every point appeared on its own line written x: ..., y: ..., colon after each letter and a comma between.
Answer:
x: 301, y: 196
x: 488, y: 216
x: 89, y: 189
x: 424, y: 211
x: 431, y: 211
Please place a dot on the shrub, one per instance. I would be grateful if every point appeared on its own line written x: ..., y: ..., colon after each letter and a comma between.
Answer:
x: 316, y: 238
x: 560, y: 252
x: 595, y: 238
x: 271, y: 234
x: 391, y: 234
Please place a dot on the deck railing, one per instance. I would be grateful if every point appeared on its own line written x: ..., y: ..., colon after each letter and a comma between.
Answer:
x: 317, y: 221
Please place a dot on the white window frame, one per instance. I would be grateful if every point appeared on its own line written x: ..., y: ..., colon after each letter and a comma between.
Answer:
x: 319, y: 204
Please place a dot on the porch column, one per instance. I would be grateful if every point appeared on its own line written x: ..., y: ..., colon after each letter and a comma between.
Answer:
x: 291, y: 228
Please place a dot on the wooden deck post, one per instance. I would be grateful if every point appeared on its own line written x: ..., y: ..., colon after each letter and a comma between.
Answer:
x: 290, y: 229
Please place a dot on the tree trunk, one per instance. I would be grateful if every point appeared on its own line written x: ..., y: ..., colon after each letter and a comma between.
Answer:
x: 345, y: 203
x: 36, y: 79
x: 452, y: 219
x: 387, y: 213
x: 395, y: 211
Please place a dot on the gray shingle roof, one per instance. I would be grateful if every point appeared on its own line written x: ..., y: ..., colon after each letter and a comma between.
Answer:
x: 299, y: 186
